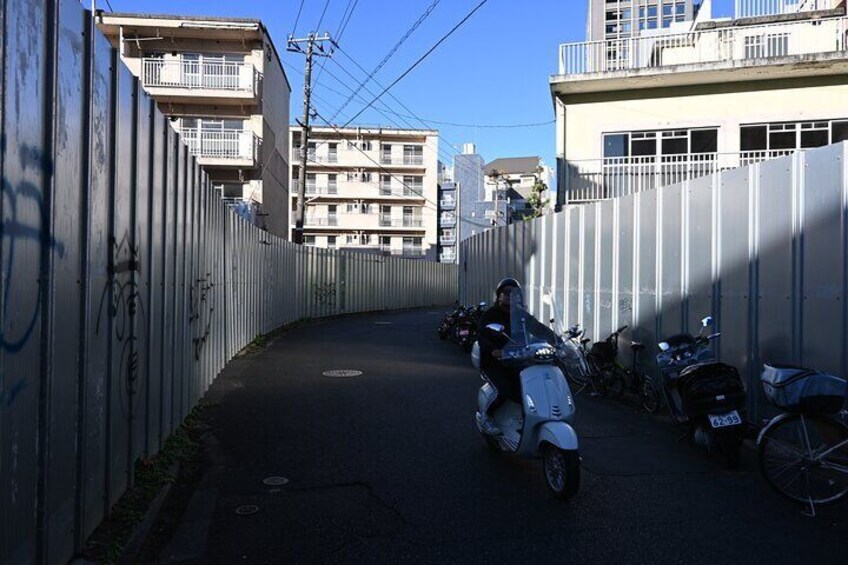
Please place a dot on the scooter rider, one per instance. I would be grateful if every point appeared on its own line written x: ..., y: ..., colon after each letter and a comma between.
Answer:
x: 505, y: 380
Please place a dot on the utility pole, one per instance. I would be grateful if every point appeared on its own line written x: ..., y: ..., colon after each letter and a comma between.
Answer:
x: 294, y: 45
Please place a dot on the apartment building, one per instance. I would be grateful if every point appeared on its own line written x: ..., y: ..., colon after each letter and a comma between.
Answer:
x: 515, y: 178
x: 221, y: 83
x: 370, y: 189
x: 447, y: 217
x: 476, y: 211
x: 620, y: 19
x: 725, y: 93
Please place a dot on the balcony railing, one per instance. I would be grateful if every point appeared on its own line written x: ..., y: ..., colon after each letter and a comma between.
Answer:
x: 406, y: 160
x: 221, y: 144
x: 613, y: 177
x: 323, y: 221
x: 447, y: 240
x: 447, y: 257
x: 412, y: 191
x: 740, y: 43
x: 752, y: 8
x: 447, y: 221
x: 312, y: 189
x: 447, y: 204
x: 386, y: 222
x: 194, y: 75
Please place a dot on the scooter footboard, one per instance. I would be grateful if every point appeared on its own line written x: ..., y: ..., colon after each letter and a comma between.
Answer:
x: 559, y: 434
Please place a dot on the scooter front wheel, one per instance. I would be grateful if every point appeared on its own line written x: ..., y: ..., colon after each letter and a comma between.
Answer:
x: 562, y: 470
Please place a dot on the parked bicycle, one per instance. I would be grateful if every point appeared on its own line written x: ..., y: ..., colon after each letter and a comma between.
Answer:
x: 803, y: 452
x: 616, y: 377
x: 579, y: 368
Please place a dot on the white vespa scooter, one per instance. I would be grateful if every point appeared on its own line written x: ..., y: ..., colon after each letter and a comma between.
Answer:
x: 541, y: 424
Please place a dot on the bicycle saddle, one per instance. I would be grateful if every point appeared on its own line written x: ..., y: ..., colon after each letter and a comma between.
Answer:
x: 585, y: 341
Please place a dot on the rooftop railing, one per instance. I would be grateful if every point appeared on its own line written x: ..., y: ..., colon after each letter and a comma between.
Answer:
x: 194, y: 75
x: 754, y: 8
x: 725, y: 44
x: 614, y: 177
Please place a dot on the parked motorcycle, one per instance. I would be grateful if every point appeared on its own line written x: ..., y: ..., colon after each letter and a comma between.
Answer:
x: 465, y: 327
x: 706, y: 395
x: 447, y: 324
x: 539, y: 422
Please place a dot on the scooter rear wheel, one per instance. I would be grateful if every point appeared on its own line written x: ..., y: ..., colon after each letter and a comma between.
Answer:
x: 562, y: 471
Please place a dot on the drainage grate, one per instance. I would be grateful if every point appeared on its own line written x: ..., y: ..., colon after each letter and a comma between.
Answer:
x: 247, y: 509
x: 342, y: 373
x: 275, y: 481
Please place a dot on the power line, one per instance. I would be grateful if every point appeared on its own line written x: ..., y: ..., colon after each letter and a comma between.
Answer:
x: 421, y: 59
x: 342, y: 27
x: 326, y: 5
x: 390, y: 54
x: 297, y: 18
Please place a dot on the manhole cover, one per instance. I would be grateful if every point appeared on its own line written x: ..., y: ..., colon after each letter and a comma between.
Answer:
x: 342, y: 373
x: 247, y: 509
x: 275, y: 481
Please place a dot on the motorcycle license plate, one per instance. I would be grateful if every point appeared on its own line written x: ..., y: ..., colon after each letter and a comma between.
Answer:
x: 724, y: 420
x: 463, y: 332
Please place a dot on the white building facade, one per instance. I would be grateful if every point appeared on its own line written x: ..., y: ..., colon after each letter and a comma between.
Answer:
x: 221, y: 82
x: 370, y: 189
x: 725, y: 94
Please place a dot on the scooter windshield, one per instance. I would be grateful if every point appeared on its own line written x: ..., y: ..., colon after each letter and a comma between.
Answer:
x: 526, y: 329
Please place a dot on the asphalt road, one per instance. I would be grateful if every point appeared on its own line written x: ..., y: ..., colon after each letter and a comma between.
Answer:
x: 387, y: 467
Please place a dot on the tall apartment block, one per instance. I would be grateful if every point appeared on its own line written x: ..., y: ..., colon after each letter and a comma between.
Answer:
x: 476, y: 205
x: 616, y: 19
x: 369, y: 189
x: 719, y: 94
x: 448, y: 212
x: 221, y: 83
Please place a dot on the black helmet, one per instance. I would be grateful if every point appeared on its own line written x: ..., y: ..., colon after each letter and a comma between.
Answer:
x: 507, y: 282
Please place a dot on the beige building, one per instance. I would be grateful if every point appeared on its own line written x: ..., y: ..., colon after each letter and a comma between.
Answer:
x: 514, y: 178
x: 725, y: 93
x: 221, y: 82
x: 370, y: 189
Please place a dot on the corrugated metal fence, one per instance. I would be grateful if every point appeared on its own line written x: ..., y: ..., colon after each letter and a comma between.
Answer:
x: 126, y: 285
x: 763, y: 249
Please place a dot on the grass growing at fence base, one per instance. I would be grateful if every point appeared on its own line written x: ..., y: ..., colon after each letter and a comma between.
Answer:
x: 178, y: 462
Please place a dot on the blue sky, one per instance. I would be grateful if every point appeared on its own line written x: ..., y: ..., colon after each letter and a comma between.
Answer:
x: 493, y: 71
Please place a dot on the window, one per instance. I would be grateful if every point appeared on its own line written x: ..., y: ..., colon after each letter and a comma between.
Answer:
x: 616, y: 145
x: 351, y: 239
x: 385, y: 185
x: 783, y: 136
x: 680, y: 8
x: 667, y: 9
x: 839, y: 131
x: 778, y: 44
x: 331, y: 241
x: 753, y: 138
x: 675, y: 142
x: 704, y: 141
x: 652, y: 23
x: 814, y: 134
x: 365, y: 145
x: 644, y: 143
x: 333, y: 152
x: 309, y: 240
x: 666, y: 22
x: 352, y: 208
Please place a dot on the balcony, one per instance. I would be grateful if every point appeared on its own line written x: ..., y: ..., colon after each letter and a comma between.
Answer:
x: 315, y: 190
x: 447, y: 203
x: 237, y: 148
x: 445, y: 257
x: 325, y: 221
x: 447, y: 240
x: 447, y: 221
x: 181, y: 78
x: 405, y: 161
x: 740, y: 52
x: 386, y: 222
x: 614, y: 177
x: 755, y: 8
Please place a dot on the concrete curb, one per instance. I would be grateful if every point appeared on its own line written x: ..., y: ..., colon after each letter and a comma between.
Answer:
x: 130, y: 553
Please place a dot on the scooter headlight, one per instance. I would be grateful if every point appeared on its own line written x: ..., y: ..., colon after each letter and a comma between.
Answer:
x: 546, y: 352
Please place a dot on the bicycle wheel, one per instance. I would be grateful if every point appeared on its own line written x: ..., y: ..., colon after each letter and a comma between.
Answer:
x: 614, y: 381
x: 805, y: 458
x: 650, y: 395
x: 597, y: 379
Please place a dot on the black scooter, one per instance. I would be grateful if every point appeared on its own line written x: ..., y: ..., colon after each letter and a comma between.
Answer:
x: 706, y: 395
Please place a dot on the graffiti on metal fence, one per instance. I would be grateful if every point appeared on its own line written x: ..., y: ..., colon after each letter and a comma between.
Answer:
x: 121, y: 304
x: 201, y: 307
x: 23, y: 221
x: 325, y: 294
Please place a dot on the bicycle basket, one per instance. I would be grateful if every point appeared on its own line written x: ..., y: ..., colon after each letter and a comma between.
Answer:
x: 803, y: 390
x: 603, y: 352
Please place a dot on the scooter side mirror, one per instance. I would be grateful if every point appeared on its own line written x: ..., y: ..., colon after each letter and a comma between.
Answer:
x: 482, y: 304
x: 663, y: 346
x: 707, y: 322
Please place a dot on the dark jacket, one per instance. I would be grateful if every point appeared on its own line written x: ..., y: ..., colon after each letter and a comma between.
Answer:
x: 488, y: 340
